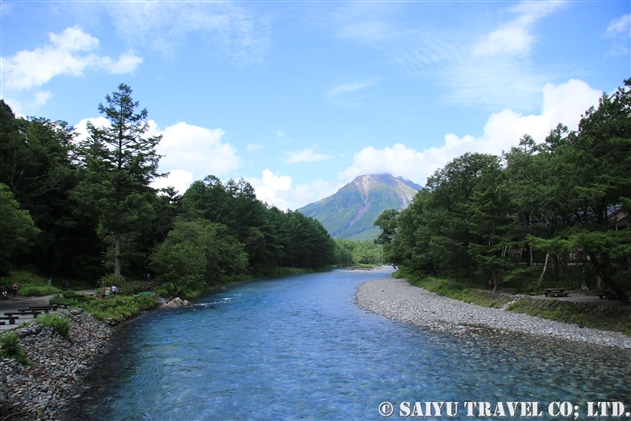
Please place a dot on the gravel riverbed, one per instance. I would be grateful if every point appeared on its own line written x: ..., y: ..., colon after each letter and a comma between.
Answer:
x: 44, y: 390
x: 398, y: 300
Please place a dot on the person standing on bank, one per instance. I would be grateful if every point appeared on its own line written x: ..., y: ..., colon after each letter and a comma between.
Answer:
x: 15, y: 289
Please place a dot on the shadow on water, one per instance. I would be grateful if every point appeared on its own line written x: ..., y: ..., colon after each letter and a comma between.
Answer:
x: 298, y: 348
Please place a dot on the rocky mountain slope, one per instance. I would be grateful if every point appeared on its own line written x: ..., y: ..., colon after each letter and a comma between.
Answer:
x: 351, y: 212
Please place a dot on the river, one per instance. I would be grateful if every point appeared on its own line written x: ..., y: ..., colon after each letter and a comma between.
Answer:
x: 297, y: 348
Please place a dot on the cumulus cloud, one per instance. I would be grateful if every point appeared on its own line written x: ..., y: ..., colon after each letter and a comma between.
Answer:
x: 304, y: 155
x: 179, y: 179
x: 70, y: 52
x: 562, y: 103
x: 188, y: 152
x: 198, y: 149
x: 278, y: 190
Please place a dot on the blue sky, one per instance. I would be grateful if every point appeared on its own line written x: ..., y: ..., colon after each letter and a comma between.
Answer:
x: 299, y: 98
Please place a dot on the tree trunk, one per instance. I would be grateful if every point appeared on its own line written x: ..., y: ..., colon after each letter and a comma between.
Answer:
x: 117, y: 246
x: 584, y: 270
x: 545, y: 266
x: 603, y: 274
x: 494, y: 274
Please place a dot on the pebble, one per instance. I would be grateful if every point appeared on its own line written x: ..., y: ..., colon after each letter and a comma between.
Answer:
x: 43, y: 390
x: 398, y: 300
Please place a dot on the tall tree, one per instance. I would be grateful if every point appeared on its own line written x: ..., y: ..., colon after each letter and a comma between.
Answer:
x: 120, y: 162
x: 17, y: 230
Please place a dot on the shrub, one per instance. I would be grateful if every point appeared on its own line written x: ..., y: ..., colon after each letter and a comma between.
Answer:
x: 9, y: 348
x: 146, y: 302
x: 77, y: 298
x: 61, y: 324
x: 38, y: 291
x: 25, y: 277
x: 110, y: 279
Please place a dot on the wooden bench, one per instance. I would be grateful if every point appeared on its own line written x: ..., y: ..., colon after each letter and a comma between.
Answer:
x: 11, y: 319
x: 45, y: 309
x: 556, y: 292
x: 609, y: 295
x: 24, y: 312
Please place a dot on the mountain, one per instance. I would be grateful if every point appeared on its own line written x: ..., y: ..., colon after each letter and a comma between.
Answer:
x: 352, y: 211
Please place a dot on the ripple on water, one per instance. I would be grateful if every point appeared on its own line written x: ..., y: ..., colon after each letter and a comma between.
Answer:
x: 298, y: 348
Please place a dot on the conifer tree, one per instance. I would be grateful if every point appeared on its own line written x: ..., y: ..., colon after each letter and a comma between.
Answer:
x: 120, y: 162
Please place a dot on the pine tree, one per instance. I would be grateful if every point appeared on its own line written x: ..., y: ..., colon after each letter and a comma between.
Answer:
x: 120, y: 163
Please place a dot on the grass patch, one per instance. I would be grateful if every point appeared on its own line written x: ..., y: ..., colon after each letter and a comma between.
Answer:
x: 10, y: 348
x: 582, y: 314
x: 61, y: 324
x: 38, y: 291
x: 30, y: 284
x: 462, y: 292
x: 114, y: 308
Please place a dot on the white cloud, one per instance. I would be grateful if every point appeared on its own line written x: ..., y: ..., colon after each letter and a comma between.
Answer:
x: 515, y: 37
x: 253, y: 147
x: 346, y: 88
x: 278, y: 190
x: 348, y: 94
x: 197, y: 149
x: 180, y: 179
x: 562, y: 103
x: 618, y: 31
x: 490, y: 69
x: 21, y: 108
x: 189, y: 152
x: 304, y: 155
x: 224, y: 28
x: 70, y: 52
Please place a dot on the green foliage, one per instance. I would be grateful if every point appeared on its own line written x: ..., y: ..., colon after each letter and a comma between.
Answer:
x: 61, y: 324
x: 10, y: 348
x: 38, y: 291
x: 25, y: 277
x: 30, y: 284
x: 197, y: 255
x: 17, y: 230
x: 114, y: 308
x: 354, y: 253
x: 119, y: 163
x: 583, y: 314
x: 563, y: 203
x: 94, y: 208
x: 463, y: 292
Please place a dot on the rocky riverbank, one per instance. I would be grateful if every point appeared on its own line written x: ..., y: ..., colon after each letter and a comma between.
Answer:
x: 398, y: 300
x: 41, y: 391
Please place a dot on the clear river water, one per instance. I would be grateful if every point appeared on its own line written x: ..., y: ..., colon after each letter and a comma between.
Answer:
x: 298, y: 348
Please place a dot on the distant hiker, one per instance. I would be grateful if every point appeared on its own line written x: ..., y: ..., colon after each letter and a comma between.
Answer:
x: 15, y: 289
x: 4, y: 293
x: 107, y: 291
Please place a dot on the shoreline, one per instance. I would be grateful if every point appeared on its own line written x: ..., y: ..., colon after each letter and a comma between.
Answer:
x: 398, y: 300
x: 44, y: 390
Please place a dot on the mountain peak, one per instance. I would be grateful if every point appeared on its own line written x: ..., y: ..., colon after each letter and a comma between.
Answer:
x: 352, y: 211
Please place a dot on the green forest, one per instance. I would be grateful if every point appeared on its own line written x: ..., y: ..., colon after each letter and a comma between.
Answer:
x: 78, y: 210
x: 546, y: 214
